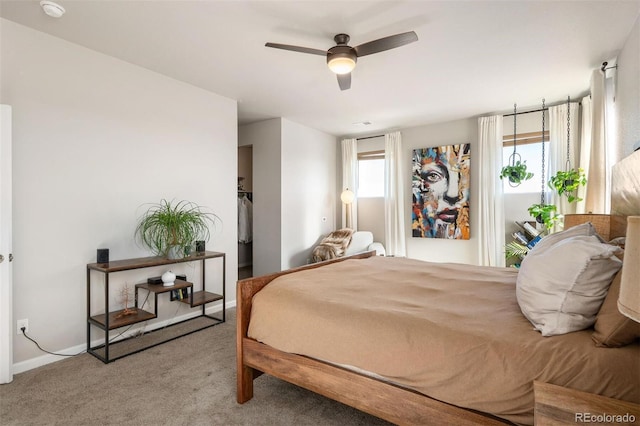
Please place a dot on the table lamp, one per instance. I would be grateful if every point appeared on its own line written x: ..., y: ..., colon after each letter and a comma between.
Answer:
x: 347, y: 197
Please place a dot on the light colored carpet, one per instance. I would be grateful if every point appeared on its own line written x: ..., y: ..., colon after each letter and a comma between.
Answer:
x: 189, y: 381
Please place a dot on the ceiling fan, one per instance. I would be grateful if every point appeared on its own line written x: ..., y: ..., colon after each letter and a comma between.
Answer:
x: 342, y: 58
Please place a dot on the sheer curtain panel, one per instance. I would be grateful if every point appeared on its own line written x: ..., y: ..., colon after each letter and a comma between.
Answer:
x: 558, y: 148
x: 491, y: 227
x: 350, y: 179
x: 394, y: 235
x: 597, y: 194
x: 585, y: 150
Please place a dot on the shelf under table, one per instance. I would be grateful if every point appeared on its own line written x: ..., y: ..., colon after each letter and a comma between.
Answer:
x: 160, y: 288
x: 201, y: 297
x: 117, y: 319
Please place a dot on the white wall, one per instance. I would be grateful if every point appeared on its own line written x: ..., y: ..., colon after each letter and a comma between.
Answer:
x: 308, y: 191
x: 294, y: 180
x: 94, y: 138
x: 264, y: 137
x: 628, y: 93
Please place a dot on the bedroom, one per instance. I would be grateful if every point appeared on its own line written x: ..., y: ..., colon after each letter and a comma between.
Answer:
x: 95, y: 123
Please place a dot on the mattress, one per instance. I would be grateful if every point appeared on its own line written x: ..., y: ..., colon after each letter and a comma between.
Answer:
x: 450, y: 331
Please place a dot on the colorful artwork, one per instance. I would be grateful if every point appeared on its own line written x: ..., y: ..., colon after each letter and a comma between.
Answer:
x: 440, y: 186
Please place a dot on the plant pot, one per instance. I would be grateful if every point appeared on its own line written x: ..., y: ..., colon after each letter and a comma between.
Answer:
x: 539, y: 219
x: 175, y: 252
x: 568, y: 183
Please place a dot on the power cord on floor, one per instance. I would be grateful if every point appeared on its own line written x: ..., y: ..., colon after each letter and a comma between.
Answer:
x: 23, y: 329
x: 24, y: 333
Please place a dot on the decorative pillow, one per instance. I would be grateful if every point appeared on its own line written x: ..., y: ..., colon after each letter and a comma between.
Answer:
x: 585, y: 229
x: 612, y: 329
x: 561, y: 287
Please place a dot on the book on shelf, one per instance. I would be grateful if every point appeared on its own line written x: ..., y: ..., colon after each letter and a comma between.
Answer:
x: 529, y: 230
x: 519, y: 237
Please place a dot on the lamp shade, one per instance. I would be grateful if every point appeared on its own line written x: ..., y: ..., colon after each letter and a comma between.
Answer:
x: 347, y: 196
x: 629, y: 299
x: 341, y: 64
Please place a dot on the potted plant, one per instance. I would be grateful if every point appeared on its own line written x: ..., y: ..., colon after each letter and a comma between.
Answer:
x: 170, y: 228
x: 544, y: 213
x: 515, y: 249
x: 516, y: 173
x: 567, y: 183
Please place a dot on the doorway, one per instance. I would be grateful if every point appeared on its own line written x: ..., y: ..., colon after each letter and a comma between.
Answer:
x: 245, y: 212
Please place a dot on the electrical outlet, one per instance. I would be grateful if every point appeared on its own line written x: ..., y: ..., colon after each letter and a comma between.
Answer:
x: 22, y: 323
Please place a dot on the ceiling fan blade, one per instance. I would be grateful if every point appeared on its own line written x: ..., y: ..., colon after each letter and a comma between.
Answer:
x: 344, y: 81
x: 298, y: 49
x: 386, y: 43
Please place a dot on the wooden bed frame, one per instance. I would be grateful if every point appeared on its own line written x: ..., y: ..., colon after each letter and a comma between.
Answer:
x: 382, y: 399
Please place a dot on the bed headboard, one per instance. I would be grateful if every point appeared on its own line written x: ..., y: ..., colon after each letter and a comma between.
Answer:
x: 625, y: 186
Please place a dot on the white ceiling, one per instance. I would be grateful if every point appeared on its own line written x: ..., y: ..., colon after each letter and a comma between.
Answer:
x: 472, y: 57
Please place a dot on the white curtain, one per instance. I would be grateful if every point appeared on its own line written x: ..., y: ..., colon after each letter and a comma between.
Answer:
x: 394, y: 216
x: 490, y: 235
x: 350, y: 179
x: 585, y: 150
x: 558, y: 149
x: 597, y: 195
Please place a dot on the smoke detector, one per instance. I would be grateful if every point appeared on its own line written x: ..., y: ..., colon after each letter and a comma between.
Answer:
x: 52, y: 9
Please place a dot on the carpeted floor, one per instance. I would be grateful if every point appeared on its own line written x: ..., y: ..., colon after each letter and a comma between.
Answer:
x: 189, y: 381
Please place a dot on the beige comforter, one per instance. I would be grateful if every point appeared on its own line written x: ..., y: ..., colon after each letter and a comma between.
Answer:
x: 451, y: 331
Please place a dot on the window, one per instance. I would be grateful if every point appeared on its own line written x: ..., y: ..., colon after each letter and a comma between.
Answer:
x: 371, y: 174
x: 530, y: 150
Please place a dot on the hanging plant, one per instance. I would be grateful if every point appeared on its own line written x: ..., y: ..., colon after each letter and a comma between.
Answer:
x: 567, y: 183
x: 544, y: 213
x: 516, y: 173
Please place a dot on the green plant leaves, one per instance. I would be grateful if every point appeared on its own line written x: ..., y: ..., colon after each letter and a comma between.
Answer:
x: 174, y: 224
x: 567, y: 183
x: 515, y: 249
x: 544, y: 213
x: 516, y: 172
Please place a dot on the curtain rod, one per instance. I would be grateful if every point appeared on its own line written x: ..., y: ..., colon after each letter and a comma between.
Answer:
x: 539, y: 109
x: 525, y: 112
x: 369, y: 137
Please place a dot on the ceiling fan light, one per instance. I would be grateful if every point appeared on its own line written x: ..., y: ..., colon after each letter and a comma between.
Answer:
x: 342, y: 65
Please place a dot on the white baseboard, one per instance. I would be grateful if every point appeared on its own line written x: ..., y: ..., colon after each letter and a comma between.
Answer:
x: 30, y: 364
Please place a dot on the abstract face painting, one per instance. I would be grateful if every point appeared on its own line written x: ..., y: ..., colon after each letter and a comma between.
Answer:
x: 440, y: 185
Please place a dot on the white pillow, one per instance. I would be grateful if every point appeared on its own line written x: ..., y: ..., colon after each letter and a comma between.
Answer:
x: 561, y: 287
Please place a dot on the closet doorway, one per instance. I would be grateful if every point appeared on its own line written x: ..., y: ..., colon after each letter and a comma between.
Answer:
x: 245, y: 212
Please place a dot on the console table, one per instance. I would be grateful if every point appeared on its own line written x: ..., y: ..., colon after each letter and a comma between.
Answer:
x: 111, y: 320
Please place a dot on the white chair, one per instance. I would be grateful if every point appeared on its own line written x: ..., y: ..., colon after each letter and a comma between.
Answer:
x: 363, y: 241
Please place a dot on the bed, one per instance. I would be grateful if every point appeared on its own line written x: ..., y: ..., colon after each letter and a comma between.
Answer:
x: 419, y: 375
